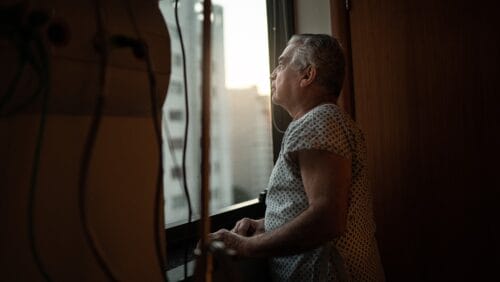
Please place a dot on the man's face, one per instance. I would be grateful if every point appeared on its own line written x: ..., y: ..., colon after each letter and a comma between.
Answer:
x: 284, y: 80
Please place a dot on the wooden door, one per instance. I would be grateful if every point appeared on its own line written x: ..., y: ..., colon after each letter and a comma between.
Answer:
x: 425, y: 91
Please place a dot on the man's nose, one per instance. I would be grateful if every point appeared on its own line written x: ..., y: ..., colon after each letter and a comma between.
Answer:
x: 273, y: 74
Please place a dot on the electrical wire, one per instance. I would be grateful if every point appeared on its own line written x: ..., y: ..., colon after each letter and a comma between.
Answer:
x: 103, y: 50
x: 169, y: 142
x: 45, y: 77
x: 159, y: 200
x: 11, y: 89
x: 158, y: 221
x: 29, y: 44
x: 23, y: 37
x: 32, y: 98
x: 159, y: 183
x: 24, y: 104
x: 184, y: 149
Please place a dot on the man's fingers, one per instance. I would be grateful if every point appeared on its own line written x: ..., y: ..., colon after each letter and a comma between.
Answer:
x: 236, y: 227
x: 245, y: 227
x: 220, y: 234
x: 241, y: 228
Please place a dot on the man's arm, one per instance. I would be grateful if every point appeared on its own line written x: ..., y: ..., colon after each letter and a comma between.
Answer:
x: 327, y: 180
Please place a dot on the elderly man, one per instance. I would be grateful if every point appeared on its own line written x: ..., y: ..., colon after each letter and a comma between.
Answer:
x: 319, y: 223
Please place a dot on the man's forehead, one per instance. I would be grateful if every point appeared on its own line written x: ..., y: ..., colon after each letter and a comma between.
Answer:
x: 286, y: 54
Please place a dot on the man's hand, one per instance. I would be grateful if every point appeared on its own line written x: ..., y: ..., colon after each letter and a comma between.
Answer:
x: 249, y: 227
x: 232, y: 241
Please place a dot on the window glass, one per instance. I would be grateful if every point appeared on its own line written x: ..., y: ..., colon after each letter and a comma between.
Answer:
x: 241, y: 149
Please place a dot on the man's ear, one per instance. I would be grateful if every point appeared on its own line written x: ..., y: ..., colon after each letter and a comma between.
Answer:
x: 308, y: 76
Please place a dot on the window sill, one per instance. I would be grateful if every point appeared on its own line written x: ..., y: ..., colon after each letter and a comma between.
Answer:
x: 182, y: 236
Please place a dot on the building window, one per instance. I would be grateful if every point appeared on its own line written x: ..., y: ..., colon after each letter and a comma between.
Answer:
x: 177, y: 60
x: 176, y: 172
x: 175, y: 115
x: 241, y: 143
x: 176, y: 143
x: 175, y: 87
x: 178, y: 201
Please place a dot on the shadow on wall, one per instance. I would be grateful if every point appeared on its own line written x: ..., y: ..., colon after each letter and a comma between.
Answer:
x: 121, y: 183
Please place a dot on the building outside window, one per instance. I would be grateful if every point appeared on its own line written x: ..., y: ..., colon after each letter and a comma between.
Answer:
x: 241, y: 143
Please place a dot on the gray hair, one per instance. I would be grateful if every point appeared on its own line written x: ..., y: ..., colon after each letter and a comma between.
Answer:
x: 323, y: 52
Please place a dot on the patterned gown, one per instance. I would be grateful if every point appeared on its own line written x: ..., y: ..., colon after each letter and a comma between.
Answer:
x: 351, y: 257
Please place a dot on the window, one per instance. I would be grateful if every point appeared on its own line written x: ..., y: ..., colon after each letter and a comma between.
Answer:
x: 176, y: 143
x: 175, y: 86
x: 178, y: 201
x: 241, y: 142
x: 177, y: 60
x: 176, y: 115
x: 176, y: 172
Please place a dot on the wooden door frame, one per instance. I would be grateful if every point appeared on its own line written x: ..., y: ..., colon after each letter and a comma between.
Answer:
x: 340, y: 23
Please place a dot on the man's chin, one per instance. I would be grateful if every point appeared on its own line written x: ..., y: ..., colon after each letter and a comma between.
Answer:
x: 275, y: 100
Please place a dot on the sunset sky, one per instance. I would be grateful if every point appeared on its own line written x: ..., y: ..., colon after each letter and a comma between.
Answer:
x: 246, y: 47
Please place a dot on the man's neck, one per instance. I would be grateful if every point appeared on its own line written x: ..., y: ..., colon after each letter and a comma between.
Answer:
x: 309, y: 104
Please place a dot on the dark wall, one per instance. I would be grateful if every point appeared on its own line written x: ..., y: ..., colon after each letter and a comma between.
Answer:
x: 121, y: 187
x: 426, y: 86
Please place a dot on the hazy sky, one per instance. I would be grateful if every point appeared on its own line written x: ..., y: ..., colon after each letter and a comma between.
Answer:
x: 246, y: 47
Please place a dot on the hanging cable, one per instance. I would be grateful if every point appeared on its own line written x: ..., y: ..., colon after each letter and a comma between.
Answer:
x: 45, y: 81
x: 103, y: 50
x: 24, y: 35
x: 11, y: 89
x: 169, y: 142
x: 27, y: 39
x: 159, y: 200
x: 159, y: 221
x: 184, y: 149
